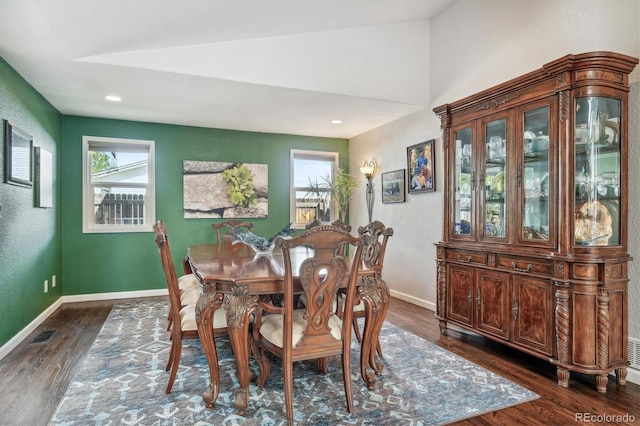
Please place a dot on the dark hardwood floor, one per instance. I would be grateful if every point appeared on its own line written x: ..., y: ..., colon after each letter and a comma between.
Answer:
x: 35, y: 376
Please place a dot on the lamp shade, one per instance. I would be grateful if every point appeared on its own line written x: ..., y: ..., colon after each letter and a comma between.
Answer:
x: 368, y: 168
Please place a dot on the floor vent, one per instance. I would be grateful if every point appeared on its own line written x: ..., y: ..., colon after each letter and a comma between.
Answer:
x: 634, y: 353
x: 44, y: 336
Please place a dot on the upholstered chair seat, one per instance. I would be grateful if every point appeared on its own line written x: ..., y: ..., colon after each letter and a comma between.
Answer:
x: 190, y: 291
x: 190, y: 296
x: 188, y: 318
x: 272, y: 325
x: 188, y: 281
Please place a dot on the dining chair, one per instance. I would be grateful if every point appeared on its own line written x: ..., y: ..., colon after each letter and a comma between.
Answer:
x: 230, y: 223
x: 314, y: 332
x: 190, y: 289
x: 374, y: 239
x: 186, y: 327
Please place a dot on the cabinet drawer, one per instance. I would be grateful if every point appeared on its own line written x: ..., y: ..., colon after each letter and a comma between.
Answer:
x: 469, y: 257
x: 592, y: 271
x: 526, y: 265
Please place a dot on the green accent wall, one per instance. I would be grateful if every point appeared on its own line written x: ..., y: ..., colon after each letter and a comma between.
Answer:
x: 30, y: 237
x: 102, y: 263
x: 36, y: 243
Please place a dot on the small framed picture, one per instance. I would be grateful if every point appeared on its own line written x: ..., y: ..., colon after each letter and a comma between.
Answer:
x: 18, y: 156
x: 393, y: 186
x: 421, y: 167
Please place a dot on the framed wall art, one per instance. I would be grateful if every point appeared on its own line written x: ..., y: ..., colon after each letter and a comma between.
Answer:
x: 421, y: 167
x: 43, y: 188
x: 393, y: 184
x: 18, y: 156
x: 213, y: 189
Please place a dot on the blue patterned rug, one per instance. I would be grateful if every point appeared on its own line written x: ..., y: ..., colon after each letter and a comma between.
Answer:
x: 123, y: 378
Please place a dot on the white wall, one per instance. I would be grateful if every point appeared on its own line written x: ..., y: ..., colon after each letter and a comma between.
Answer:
x: 475, y: 44
x: 409, y: 265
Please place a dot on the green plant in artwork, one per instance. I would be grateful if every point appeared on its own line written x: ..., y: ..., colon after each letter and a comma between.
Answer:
x: 240, y: 186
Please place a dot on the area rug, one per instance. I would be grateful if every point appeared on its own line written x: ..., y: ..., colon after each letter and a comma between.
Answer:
x: 123, y: 380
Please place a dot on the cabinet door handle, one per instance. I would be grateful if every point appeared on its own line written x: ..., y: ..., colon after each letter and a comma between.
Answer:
x: 515, y: 268
x: 478, y: 299
x: 515, y: 309
x: 470, y: 298
x: 468, y: 259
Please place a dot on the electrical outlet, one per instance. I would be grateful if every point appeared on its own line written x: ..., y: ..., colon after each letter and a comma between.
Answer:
x: 46, y: 286
x: 53, y: 281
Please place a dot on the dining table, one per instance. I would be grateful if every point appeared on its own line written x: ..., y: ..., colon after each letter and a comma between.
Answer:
x: 234, y: 277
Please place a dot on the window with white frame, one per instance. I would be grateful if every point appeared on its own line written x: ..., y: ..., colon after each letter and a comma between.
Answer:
x: 311, y: 176
x: 118, y: 187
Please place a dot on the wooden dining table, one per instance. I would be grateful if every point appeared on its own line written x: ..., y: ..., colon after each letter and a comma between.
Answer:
x: 234, y: 277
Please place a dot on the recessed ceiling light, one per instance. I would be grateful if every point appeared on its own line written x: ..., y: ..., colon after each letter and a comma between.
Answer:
x: 336, y: 121
x: 113, y: 98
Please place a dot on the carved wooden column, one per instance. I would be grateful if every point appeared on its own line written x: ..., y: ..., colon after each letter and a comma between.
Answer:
x: 208, y: 303
x: 239, y: 306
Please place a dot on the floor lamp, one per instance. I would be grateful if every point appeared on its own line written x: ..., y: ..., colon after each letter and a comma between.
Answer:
x: 368, y: 169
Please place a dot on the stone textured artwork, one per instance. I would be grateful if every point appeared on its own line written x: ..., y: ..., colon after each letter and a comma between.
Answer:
x: 225, y: 190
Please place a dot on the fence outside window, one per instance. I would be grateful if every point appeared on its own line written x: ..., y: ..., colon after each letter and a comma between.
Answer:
x: 120, y: 209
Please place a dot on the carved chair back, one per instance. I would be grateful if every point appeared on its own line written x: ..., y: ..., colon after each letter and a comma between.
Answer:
x: 375, y: 237
x: 230, y: 223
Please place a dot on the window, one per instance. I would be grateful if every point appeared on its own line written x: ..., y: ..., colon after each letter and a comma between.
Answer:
x: 307, y: 203
x: 118, y: 185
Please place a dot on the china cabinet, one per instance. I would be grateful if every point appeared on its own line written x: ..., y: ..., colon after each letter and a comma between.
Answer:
x: 534, y: 249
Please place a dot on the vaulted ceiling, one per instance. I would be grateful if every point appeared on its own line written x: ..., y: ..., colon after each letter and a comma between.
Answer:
x: 278, y: 66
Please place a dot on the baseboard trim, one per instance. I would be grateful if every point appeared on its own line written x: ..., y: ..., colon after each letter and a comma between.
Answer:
x: 413, y: 300
x: 113, y: 296
x: 633, y: 375
x: 26, y: 331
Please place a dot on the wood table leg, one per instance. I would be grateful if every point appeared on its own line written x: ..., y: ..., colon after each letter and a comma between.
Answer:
x: 239, y: 306
x: 206, y: 307
x: 374, y: 293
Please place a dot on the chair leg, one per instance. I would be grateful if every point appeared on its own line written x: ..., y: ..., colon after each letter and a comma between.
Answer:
x: 170, y: 362
x: 169, y: 321
x: 379, y: 349
x: 346, y: 377
x: 176, y: 348
x: 356, y: 329
x: 288, y: 390
x: 171, y: 353
x: 263, y: 362
x: 322, y: 365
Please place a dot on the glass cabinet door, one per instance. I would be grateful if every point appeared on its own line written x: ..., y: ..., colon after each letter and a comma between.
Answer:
x: 463, y: 182
x: 494, y: 192
x: 597, y: 171
x: 534, y: 172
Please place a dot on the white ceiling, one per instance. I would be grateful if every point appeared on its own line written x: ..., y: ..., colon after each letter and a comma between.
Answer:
x: 277, y: 66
